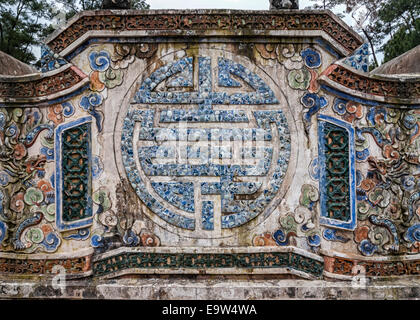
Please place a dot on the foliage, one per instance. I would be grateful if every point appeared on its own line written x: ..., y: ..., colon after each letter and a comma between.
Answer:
x: 24, y: 23
x: 72, y: 7
x: 390, y: 26
x: 22, y: 26
x: 399, y: 20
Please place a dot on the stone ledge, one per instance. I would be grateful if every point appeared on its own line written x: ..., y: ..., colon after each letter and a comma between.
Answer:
x: 186, y: 289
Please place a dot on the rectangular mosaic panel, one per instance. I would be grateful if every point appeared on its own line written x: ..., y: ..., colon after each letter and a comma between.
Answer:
x: 73, y: 175
x: 155, y: 260
x: 337, y: 173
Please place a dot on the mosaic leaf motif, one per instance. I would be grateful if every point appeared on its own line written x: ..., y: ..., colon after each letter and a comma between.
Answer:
x: 112, y: 229
x: 241, y: 201
x: 298, y: 224
x: 106, y: 73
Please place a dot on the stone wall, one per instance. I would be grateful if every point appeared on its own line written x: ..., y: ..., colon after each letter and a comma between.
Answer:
x: 211, y: 143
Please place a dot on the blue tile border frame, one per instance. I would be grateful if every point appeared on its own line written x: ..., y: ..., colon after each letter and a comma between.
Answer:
x: 83, y: 223
x: 324, y: 220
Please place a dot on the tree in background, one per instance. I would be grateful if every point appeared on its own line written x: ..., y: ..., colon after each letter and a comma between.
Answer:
x: 24, y: 23
x: 399, y: 20
x: 389, y: 26
x: 72, y: 7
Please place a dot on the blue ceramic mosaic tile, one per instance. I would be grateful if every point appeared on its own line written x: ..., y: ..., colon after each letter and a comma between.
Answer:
x: 359, y: 60
x: 179, y: 194
x: 207, y: 215
x: 173, y: 153
x: 49, y: 60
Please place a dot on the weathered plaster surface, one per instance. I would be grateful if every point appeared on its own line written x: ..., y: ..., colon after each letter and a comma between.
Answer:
x: 326, y: 188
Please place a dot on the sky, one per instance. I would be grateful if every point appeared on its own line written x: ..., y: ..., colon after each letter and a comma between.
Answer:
x: 215, y: 4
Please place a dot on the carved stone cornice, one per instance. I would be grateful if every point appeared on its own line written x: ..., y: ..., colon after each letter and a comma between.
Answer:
x: 204, y: 22
x: 372, y: 87
x: 41, y: 87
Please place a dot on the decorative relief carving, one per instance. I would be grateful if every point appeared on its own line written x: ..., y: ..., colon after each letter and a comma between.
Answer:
x: 387, y: 186
x: 336, y: 163
x: 222, y: 21
x: 348, y: 267
x: 26, y: 198
x: 263, y: 260
x: 364, y: 84
x: 42, y: 87
x: 303, y: 71
x: 73, y: 174
x: 119, y: 228
x: 284, y: 4
x: 298, y: 224
x: 17, y: 267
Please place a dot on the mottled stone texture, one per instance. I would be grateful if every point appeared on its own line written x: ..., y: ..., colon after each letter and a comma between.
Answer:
x: 12, y: 67
x: 209, y: 154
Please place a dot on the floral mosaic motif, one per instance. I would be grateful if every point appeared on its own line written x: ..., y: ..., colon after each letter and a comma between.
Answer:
x: 303, y: 73
x: 314, y: 103
x: 314, y: 169
x: 97, y: 167
x: 113, y: 230
x: 79, y: 235
x: 235, y: 212
x: 107, y: 73
x: 90, y: 103
x: 58, y: 112
x: 388, y: 192
x: 298, y: 224
x: 333, y: 235
x: 348, y: 110
x: 27, y: 205
x: 125, y: 53
x: 359, y: 60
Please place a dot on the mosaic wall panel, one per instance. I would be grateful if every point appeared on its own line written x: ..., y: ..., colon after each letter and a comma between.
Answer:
x: 337, y: 173
x: 210, y: 159
x: 129, y: 143
x: 73, y: 174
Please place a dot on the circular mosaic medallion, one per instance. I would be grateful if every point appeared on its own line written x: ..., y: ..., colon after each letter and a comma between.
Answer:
x: 205, y: 144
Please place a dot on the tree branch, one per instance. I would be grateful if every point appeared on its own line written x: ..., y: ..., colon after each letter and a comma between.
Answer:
x: 369, y: 38
x: 19, y: 10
